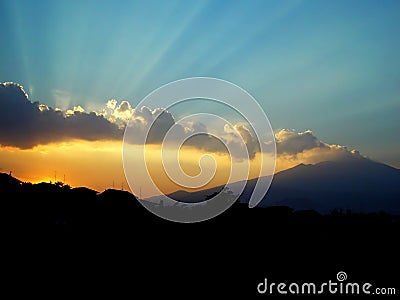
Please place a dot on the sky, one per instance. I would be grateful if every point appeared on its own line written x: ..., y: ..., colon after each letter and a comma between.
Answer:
x: 332, y: 67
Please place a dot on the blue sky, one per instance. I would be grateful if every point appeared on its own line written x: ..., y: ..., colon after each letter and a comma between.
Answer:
x: 329, y: 66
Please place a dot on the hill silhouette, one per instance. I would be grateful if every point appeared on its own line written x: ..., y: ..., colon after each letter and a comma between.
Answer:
x: 8, y: 183
x: 57, y: 204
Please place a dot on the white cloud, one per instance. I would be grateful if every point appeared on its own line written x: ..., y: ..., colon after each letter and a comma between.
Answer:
x: 76, y: 109
x: 292, y: 142
x: 123, y: 112
x: 111, y: 104
x: 43, y: 107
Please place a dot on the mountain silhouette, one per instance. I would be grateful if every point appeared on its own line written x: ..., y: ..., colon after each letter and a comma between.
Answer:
x: 359, y: 185
x: 356, y: 184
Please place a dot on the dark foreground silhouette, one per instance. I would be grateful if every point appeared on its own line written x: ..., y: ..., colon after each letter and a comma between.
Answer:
x: 82, y: 240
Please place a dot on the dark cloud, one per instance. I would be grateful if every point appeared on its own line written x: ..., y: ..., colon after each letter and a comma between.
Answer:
x: 149, y: 125
x: 292, y: 142
x: 206, y: 142
x: 227, y: 138
x: 252, y: 143
x: 308, y: 148
x: 163, y: 122
x: 155, y: 123
x: 25, y: 124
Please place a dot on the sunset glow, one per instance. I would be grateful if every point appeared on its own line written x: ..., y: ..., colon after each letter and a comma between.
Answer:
x: 98, y: 165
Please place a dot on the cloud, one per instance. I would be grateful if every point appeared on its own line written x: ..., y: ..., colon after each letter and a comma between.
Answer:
x: 123, y: 111
x: 292, y: 142
x: 252, y: 143
x: 70, y: 112
x: 25, y: 124
x: 111, y: 104
x: 115, y: 113
x: 237, y: 139
x: 304, y: 147
x: 192, y: 134
x: 160, y: 121
x: 206, y: 143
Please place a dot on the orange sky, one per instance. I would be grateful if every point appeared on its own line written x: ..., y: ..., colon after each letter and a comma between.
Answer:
x: 92, y: 164
x: 98, y: 165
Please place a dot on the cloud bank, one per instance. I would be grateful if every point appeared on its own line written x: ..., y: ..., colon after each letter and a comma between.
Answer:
x: 25, y: 124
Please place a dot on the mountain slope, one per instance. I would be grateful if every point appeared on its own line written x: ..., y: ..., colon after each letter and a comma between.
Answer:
x: 358, y: 184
